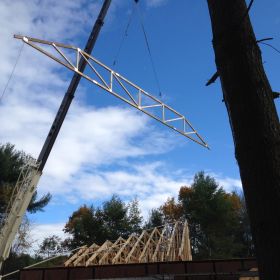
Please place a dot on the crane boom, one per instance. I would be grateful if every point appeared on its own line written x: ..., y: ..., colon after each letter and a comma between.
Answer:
x: 31, y: 173
x: 115, y: 84
x: 69, y: 95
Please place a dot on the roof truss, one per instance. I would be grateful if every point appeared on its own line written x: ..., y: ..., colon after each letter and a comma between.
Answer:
x: 167, y: 243
x: 115, y: 84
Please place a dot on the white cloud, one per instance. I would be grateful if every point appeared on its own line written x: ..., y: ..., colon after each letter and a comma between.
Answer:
x: 156, y: 3
x: 90, y: 137
x: 152, y: 183
x: 230, y: 184
x: 41, y: 231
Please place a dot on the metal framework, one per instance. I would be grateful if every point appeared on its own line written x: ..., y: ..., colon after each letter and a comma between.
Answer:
x: 21, y: 196
x: 168, y: 243
x: 117, y: 85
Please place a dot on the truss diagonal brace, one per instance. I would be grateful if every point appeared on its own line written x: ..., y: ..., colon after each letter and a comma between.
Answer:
x: 176, y: 121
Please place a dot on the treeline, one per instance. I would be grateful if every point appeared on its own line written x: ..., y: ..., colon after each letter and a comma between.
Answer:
x: 218, y: 221
x: 90, y: 225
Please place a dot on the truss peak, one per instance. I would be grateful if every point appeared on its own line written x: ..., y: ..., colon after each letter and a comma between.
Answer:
x: 161, y: 244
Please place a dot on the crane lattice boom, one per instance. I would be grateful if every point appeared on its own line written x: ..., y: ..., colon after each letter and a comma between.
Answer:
x: 21, y: 196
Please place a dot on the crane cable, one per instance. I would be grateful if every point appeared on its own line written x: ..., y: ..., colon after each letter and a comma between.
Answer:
x: 12, y: 73
x: 149, y: 49
x: 135, y: 6
x: 124, y: 36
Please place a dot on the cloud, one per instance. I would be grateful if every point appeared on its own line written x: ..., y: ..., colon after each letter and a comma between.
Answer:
x: 151, y: 183
x: 155, y: 3
x: 91, y: 137
x: 41, y: 231
x: 229, y: 184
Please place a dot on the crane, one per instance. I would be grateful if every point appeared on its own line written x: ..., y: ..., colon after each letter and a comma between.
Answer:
x: 106, y: 79
x: 32, y: 171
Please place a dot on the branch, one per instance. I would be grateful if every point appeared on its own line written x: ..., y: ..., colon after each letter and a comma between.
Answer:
x: 213, y: 79
x: 276, y: 94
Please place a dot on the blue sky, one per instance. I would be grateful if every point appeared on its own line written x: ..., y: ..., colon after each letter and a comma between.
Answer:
x: 105, y: 146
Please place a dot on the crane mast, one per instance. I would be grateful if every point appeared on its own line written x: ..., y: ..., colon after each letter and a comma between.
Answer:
x: 31, y: 173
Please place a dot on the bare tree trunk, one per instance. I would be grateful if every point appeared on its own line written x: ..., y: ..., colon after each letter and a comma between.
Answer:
x: 254, y: 123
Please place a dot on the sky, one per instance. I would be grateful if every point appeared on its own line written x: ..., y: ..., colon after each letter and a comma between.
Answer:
x: 105, y: 146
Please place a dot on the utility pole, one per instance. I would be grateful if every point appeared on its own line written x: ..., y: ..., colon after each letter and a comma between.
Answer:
x: 254, y: 123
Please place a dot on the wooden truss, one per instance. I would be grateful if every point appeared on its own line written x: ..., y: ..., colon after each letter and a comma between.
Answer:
x: 116, y: 85
x: 161, y: 244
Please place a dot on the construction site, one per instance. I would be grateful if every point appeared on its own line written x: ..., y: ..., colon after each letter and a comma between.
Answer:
x: 171, y: 250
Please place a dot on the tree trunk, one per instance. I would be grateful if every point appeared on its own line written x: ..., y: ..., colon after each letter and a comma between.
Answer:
x: 254, y: 123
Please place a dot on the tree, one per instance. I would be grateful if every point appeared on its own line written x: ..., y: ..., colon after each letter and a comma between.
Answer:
x: 212, y: 218
x: 50, y: 247
x: 171, y: 210
x: 11, y: 163
x: 88, y: 225
x: 155, y: 219
x: 115, y: 218
x: 134, y: 216
x: 85, y: 227
x: 254, y: 123
x: 23, y: 240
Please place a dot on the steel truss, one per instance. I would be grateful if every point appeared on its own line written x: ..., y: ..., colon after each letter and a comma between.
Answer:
x: 117, y: 85
x: 168, y: 243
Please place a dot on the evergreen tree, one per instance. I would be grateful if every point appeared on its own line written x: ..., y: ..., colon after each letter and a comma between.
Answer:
x: 88, y: 225
x: 134, y: 216
x: 11, y: 163
x: 213, y: 219
x: 155, y: 219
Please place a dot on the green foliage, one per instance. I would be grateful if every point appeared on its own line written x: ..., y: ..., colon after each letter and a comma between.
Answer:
x: 115, y: 218
x: 218, y: 221
x: 11, y: 163
x: 84, y: 226
x: 88, y: 225
x: 51, y: 246
x: 214, y: 218
x: 15, y: 262
x: 134, y: 216
x: 155, y: 219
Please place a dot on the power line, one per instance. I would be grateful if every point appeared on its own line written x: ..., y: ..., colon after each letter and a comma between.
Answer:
x: 12, y: 73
